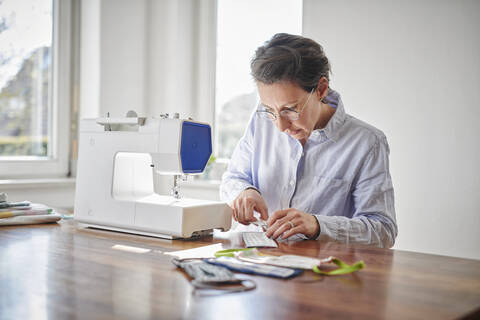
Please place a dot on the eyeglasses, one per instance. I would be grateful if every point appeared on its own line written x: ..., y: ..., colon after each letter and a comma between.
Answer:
x: 288, y: 113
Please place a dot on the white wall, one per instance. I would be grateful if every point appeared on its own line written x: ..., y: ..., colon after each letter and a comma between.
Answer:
x: 89, y: 94
x: 170, y: 60
x: 123, y: 56
x: 147, y: 55
x: 412, y: 68
x: 113, y: 57
x: 180, y: 38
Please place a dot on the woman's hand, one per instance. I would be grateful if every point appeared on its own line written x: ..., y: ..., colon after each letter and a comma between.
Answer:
x: 286, y: 223
x: 249, y: 200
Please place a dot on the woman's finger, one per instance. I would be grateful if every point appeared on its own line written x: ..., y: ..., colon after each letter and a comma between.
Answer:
x: 241, y: 211
x: 281, y: 217
x: 281, y: 229
x: 297, y: 226
x: 263, y: 210
x: 249, y: 217
x: 276, y: 215
x: 286, y: 218
x: 291, y: 232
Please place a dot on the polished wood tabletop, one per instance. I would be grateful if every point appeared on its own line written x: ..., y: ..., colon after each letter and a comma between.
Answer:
x: 64, y: 271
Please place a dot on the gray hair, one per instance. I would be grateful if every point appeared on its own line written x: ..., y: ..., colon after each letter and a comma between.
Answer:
x: 292, y: 58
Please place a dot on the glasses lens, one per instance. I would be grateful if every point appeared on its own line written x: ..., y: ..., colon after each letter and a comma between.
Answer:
x: 289, y: 114
x: 266, y: 115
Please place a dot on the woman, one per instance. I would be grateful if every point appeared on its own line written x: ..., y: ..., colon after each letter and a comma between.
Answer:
x: 308, y: 168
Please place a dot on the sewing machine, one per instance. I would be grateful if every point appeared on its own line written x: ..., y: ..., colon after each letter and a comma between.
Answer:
x: 116, y: 164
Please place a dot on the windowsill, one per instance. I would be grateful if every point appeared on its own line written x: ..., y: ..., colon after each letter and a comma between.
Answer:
x: 34, y: 183
x: 55, y: 182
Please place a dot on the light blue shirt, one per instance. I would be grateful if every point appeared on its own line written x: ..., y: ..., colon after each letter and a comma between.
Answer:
x: 341, y: 175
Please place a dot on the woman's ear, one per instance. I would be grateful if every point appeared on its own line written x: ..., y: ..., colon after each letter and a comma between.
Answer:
x: 322, y: 88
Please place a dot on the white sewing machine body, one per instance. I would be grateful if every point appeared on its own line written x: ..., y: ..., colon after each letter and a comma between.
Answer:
x: 116, y: 163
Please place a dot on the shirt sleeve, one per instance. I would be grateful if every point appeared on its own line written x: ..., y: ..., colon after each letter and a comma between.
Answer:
x: 238, y: 176
x: 373, y: 221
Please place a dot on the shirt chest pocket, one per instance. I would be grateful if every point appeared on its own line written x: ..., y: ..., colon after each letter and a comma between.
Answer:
x: 330, y: 196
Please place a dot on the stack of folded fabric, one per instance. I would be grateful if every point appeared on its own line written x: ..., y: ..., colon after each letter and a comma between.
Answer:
x: 12, y: 213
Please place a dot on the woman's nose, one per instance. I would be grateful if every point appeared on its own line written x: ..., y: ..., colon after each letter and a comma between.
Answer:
x: 282, y: 123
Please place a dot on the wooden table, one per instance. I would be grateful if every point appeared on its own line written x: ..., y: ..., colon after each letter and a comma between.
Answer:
x: 61, y: 271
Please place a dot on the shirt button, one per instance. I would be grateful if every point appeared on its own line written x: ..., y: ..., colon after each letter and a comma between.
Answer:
x: 303, y: 154
x: 292, y: 183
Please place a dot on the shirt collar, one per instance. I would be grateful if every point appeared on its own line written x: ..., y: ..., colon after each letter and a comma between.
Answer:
x: 333, y: 126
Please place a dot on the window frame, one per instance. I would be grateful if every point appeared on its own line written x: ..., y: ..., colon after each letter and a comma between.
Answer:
x: 57, y: 163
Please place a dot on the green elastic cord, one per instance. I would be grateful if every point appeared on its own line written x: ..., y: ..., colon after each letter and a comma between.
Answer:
x: 229, y: 252
x: 343, y: 268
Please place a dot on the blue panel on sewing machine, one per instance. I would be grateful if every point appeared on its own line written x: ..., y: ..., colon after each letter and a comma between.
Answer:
x: 196, y: 146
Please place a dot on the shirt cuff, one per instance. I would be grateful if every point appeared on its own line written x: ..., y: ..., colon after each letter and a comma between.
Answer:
x: 251, y: 187
x: 316, y: 235
x: 232, y: 189
x: 323, y: 231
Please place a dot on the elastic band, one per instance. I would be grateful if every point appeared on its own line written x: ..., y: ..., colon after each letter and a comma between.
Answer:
x: 343, y: 268
x: 229, y: 252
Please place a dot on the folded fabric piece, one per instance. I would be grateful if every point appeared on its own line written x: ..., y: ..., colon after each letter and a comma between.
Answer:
x: 16, y: 208
x: 24, y: 212
x: 299, y: 262
x: 288, y: 261
x: 234, y: 264
x: 213, y: 277
x: 5, y: 204
x: 34, y: 219
x: 33, y: 211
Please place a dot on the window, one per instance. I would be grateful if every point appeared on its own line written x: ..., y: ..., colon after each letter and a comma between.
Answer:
x: 34, y: 87
x: 242, y: 26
